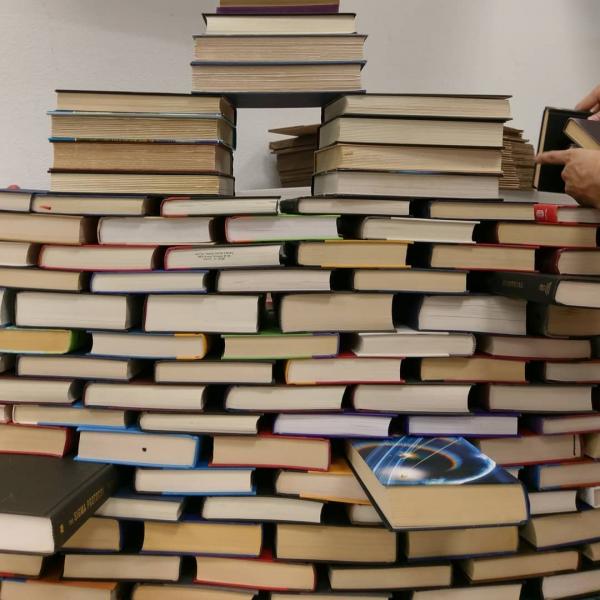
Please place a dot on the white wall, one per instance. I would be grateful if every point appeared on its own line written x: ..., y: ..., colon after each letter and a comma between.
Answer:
x: 541, y: 51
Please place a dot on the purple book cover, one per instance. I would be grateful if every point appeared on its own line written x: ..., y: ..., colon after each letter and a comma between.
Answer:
x: 279, y: 10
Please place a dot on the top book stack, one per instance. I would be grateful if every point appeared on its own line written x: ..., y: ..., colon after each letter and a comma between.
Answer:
x: 278, y: 53
x: 142, y: 143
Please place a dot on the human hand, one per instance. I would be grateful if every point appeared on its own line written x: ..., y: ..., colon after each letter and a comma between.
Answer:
x: 581, y: 173
x: 592, y: 103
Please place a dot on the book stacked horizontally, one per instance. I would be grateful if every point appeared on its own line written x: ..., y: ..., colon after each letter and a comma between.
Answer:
x: 123, y: 143
x: 228, y: 7
x: 295, y: 154
x: 517, y: 161
x: 297, y: 48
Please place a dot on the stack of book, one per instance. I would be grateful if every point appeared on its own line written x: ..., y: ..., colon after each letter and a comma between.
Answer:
x: 122, y: 143
x: 295, y: 154
x: 251, y: 52
x: 517, y: 161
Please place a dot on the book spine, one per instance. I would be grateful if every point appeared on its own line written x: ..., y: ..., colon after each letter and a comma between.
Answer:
x: 530, y: 287
x: 69, y: 516
x: 279, y: 10
x: 546, y: 213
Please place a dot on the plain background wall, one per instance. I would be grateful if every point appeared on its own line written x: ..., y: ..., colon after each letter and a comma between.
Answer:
x: 544, y: 52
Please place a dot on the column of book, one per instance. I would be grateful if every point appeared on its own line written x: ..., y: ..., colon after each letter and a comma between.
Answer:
x: 287, y: 387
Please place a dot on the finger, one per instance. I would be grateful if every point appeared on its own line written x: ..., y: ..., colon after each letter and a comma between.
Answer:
x: 595, y: 117
x: 554, y: 157
x: 590, y: 100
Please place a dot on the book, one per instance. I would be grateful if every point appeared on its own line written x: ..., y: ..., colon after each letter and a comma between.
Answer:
x: 40, y: 589
x: 544, y: 234
x: 525, y: 564
x: 418, y: 230
x: 274, y: 47
x: 412, y: 398
x: 42, y: 515
x: 363, y: 514
x: 476, y: 425
x: 571, y: 474
x: 586, y: 581
x: 335, y: 543
x: 262, y: 508
x: 138, y: 344
x: 34, y: 440
x: 140, y: 126
x: 16, y: 200
x: 159, y: 282
x: 472, y: 209
x: 263, y: 573
x: 550, y: 531
x: 352, y: 254
x: 98, y: 258
x: 138, y: 183
x: 275, y: 6
x: 225, y: 257
x: 209, y: 313
x: 271, y: 344
x: 407, y: 342
x: 558, y: 321
x: 6, y: 363
x: 544, y: 289
x: 471, y: 369
x: 534, y: 347
x: 550, y: 424
x: 130, y: 506
x: 441, y: 106
x: 278, y: 398
x: 552, y: 502
x: 142, y: 102
x: 199, y: 481
x: 504, y: 591
x: 575, y: 372
x: 18, y: 254
x: 21, y: 390
x: 477, y: 313
x: 50, y: 309
x: 207, y: 423
x: 405, y: 184
x: 476, y: 257
x: 583, y: 132
x: 25, y: 565
x: 548, y: 178
x: 387, y: 578
x: 556, y: 213
x: 144, y: 396
x: 400, y: 489
x: 589, y: 495
x: 155, y: 231
x: 537, y: 398
x: 591, y: 445
x: 97, y: 535
x: 274, y: 280
x: 344, y: 369
x: 156, y: 157
x: 345, y: 425
x: 191, y: 592
x: 336, y: 312
x: 425, y: 281
x: 279, y: 77
x: 40, y: 279
x: 39, y: 341
x: 357, y: 157
x: 46, y: 229
x: 280, y: 228
x: 127, y: 567
x: 249, y: 24
x: 591, y: 551
x: 71, y: 416
x: 272, y: 451
x: 570, y: 262
x: 92, y: 204
x: 336, y: 484
x: 393, y: 207
x: 181, y: 206
x: 133, y: 447
x: 456, y: 543
x: 213, y: 371
x: 202, y: 537
x: 410, y: 132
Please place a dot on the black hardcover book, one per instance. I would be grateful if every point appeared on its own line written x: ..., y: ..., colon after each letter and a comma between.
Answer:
x: 46, y: 500
x: 547, y: 178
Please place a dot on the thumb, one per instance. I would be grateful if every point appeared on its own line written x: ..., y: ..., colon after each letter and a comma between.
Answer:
x: 595, y: 117
x: 555, y: 157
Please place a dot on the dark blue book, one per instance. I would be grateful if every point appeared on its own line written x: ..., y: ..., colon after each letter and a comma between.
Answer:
x: 436, y: 483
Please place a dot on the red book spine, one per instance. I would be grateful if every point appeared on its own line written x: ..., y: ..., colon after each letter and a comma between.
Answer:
x: 546, y: 213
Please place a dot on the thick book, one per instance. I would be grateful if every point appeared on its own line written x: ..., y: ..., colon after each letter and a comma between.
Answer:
x: 473, y: 209
x: 541, y: 234
x: 34, y: 440
x: 39, y: 515
x: 98, y: 258
x: 569, y: 261
x: 392, y: 207
x: 234, y: 256
x: 403, y: 475
x: 584, y: 132
x: 554, y: 320
x: 544, y: 289
x: 40, y: 341
x: 568, y: 214
x: 41, y: 589
x: 547, y: 178
x: 281, y: 228
x: 189, y: 206
x: 159, y: 282
x: 93, y: 204
x: 339, y: 254
x: 42, y: 279
x: 47, y: 229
